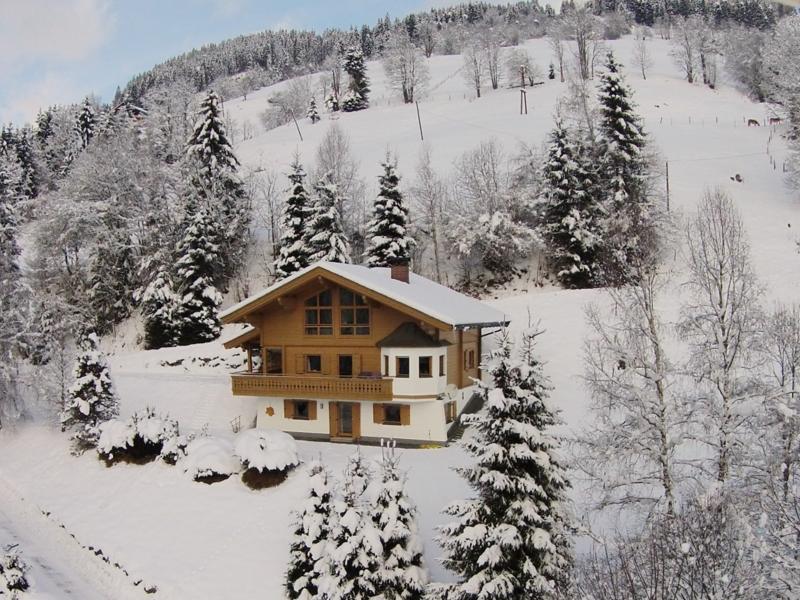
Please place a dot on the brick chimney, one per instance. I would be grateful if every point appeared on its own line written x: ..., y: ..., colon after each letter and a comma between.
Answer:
x: 399, y: 271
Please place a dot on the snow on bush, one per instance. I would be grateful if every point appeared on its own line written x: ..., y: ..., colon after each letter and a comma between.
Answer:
x: 210, y: 459
x: 12, y: 574
x: 267, y: 455
x: 139, y: 439
x: 266, y: 450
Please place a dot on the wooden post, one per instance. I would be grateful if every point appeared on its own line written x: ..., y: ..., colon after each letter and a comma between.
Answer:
x: 522, y: 76
x: 419, y: 120
x: 667, y: 186
x: 296, y: 125
x: 523, y: 102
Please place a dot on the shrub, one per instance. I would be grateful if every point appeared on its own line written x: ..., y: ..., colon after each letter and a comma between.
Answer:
x: 12, y: 573
x: 210, y: 460
x: 138, y: 441
x: 267, y: 456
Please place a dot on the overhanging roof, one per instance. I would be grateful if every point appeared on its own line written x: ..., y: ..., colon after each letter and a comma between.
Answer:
x: 443, y: 307
x: 410, y: 335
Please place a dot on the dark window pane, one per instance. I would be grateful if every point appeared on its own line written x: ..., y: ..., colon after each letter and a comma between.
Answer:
x: 347, y: 331
x: 346, y: 297
x: 424, y: 366
x: 301, y: 409
x: 311, y: 331
x: 362, y: 316
x: 313, y: 363
x: 361, y: 300
x: 391, y: 414
x: 326, y: 330
x: 345, y: 365
x: 402, y: 366
x: 311, y: 301
x: 326, y: 298
x: 348, y: 316
x: 362, y: 330
x: 326, y: 316
x: 311, y: 317
x: 274, y: 361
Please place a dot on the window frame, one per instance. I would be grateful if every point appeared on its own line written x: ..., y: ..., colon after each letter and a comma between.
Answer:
x: 358, y: 302
x: 295, y: 413
x: 269, y: 351
x: 307, y: 362
x: 442, y: 365
x: 407, y: 360
x: 393, y: 407
x: 314, y: 305
x: 429, y: 373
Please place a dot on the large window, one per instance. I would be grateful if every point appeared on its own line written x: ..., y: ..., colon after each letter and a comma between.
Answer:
x: 425, y: 366
x: 274, y: 361
x: 319, y: 314
x: 402, y: 365
x: 354, y: 313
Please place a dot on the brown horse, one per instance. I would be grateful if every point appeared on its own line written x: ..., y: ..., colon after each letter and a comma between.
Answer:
x: 753, y: 123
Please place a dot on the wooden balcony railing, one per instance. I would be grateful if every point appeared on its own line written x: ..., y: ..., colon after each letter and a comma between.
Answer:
x: 307, y: 387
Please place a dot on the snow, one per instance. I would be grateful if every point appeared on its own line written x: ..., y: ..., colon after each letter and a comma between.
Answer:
x: 209, y: 456
x: 225, y: 540
x: 420, y: 293
x: 266, y: 449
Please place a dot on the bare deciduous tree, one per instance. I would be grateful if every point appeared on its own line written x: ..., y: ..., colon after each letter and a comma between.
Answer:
x: 556, y: 40
x: 641, y: 53
x: 428, y: 37
x: 429, y: 195
x: 684, y: 46
x: 581, y: 26
x: 639, y: 419
x: 521, y: 68
x: 405, y: 67
x: 493, y: 51
x: 474, y: 67
x: 720, y: 322
x: 334, y: 156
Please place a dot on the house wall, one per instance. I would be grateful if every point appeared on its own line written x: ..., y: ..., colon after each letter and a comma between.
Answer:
x: 414, y: 385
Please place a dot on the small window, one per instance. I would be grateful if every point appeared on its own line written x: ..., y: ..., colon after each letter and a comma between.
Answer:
x: 441, y: 366
x: 385, y: 366
x: 402, y: 366
x: 425, y: 366
x: 313, y: 363
x: 450, y: 412
x: 391, y: 414
x: 274, y: 361
x: 301, y: 410
x: 469, y: 359
x: 319, y: 314
x: 345, y: 365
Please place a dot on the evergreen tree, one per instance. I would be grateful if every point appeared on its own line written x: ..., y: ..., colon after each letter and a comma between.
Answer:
x: 389, y: 242
x: 355, y: 549
x: 402, y: 575
x: 509, y: 541
x: 198, y: 261
x: 293, y: 253
x: 325, y: 237
x: 357, y: 96
x: 158, y: 304
x: 110, y: 281
x: 312, y: 111
x: 551, y: 72
x: 569, y: 219
x: 215, y: 179
x: 8, y: 141
x: 85, y: 124
x: 44, y: 126
x: 311, y: 531
x: 28, y: 184
x: 91, y: 398
x: 630, y: 235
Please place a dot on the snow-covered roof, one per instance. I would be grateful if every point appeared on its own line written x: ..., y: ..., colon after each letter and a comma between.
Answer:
x: 428, y: 297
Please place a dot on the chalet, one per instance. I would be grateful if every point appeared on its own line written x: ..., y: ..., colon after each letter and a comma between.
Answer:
x: 346, y: 352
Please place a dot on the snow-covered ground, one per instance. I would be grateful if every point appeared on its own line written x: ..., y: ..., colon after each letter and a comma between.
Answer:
x: 199, y: 541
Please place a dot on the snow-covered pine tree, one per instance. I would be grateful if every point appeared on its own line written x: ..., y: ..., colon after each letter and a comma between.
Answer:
x: 630, y: 236
x: 85, y: 124
x: 569, y: 214
x: 110, y: 281
x: 388, y: 239
x: 293, y: 253
x: 357, y: 95
x: 44, y: 126
x: 158, y: 303
x: 311, y: 532
x: 510, y: 540
x: 215, y: 179
x: 92, y: 399
x: 325, y: 236
x: 402, y: 575
x: 28, y: 184
x: 196, y: 315
x: 312, y: 111
x: 355, y: 550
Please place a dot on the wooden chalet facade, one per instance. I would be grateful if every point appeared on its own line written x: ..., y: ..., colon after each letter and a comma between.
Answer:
x: 348, y: 353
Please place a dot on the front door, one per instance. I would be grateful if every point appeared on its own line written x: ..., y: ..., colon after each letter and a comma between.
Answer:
x: 345, y: 421
x: 345, y: 365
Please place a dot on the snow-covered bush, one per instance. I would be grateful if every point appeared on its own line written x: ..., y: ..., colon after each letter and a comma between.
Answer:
x: 210, y: 460
x: 138, y: 440
x: 12, y: 574
x: 175, y: 448
x: 267, y: 456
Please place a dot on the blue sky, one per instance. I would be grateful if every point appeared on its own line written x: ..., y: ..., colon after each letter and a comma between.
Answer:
x: 58, y: 51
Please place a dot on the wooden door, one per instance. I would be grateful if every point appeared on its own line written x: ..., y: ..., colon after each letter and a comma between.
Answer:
x: 345, y: 419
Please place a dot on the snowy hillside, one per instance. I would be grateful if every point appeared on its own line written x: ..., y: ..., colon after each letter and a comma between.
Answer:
x: 225, y: 541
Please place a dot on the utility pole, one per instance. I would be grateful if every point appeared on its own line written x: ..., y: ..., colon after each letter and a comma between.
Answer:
x: 667, y: 186
x: 523, y: 102
x: 296, y: 125
x: 419, y: 120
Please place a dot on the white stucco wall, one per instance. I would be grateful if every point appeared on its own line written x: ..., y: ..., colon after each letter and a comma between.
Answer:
x: 414, y: 385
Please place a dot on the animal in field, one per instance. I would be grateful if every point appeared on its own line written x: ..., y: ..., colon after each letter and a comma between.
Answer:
x: 753, y: 123
x: 775, y: 120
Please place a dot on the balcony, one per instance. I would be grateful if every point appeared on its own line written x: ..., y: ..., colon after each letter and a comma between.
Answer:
x: 311, y: 388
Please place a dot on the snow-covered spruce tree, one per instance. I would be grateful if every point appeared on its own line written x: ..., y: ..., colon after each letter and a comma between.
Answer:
x: 569, y: 218
x: 28, y: 184
x: 85, y: 124
x: 311, y: 532
x: 312, y: 113
x: 388, y: 239
x: 198, y: 259
x: 510, y: 540
x: 215, y: 178
x: 630, y: 449
x: 293, y: 253
x: 324, y: 235
x: 720, y: 321
x: 158, y: 303
x: 92, y: 399
x: 357, y: 95
x: 355, y: 547
x: 630, y: 235
x: 402, y: 575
